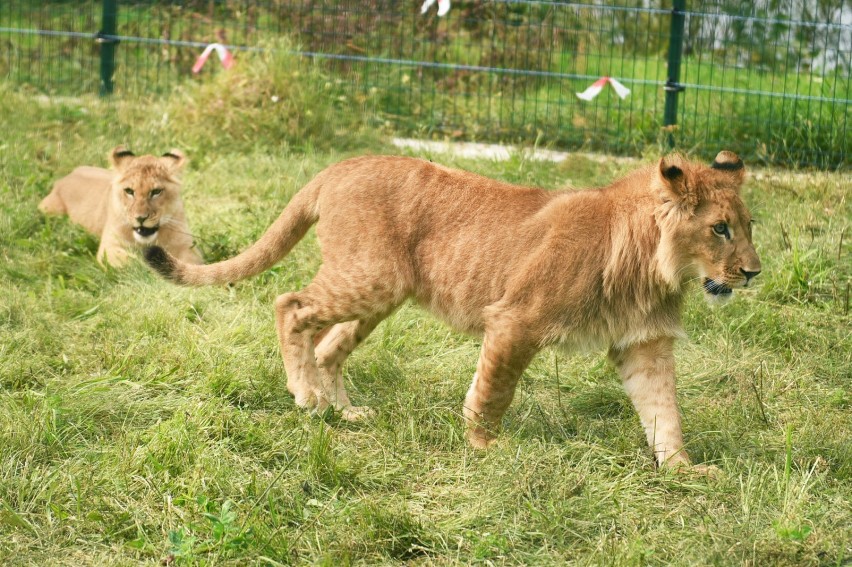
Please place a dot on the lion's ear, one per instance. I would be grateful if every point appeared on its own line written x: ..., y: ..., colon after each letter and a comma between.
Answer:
x: 120, y: 156
x: 174, y: 159
x: 731, y: 164
x: 672, y: 181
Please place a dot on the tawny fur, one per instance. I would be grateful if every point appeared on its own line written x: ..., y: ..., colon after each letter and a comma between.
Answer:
x: 140, y: 192
x: 523, y: 267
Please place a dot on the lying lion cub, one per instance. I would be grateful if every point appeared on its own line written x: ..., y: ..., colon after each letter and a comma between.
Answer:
x: 524, y: 267
x: 137, y: 204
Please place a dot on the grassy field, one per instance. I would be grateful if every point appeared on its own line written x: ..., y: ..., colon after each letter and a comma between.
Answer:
x: 141, y: 423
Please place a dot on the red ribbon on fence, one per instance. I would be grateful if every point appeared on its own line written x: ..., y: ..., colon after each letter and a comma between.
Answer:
x: 225, y: 57
x: 598, y: 86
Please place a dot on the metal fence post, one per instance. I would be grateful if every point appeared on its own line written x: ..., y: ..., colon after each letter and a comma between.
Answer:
x: 673, y: 86
x: 106, y: 39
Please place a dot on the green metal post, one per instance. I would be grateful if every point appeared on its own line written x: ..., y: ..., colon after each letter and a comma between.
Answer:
x: 673, y: 86
x: 105, y: 38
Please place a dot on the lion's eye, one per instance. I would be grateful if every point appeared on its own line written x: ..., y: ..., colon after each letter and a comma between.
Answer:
x: 721, y: 229
x: 155, y: 192
x: 128, y: 191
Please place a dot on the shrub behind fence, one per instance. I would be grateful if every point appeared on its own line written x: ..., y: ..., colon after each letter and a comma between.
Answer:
x: 768, y: 79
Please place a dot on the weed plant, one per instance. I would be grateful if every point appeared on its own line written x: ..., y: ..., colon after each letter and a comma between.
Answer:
x: 143, y: 423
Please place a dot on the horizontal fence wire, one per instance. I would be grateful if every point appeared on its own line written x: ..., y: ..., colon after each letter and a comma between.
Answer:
x: 769, y: 79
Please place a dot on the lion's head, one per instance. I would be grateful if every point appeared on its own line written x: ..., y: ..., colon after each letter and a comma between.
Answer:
x: 146, y: 190
x: 705, y: 226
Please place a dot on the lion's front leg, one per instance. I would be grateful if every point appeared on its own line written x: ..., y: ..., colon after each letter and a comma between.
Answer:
x: 503, y: 359
x: 112, y: 251
x: 648, y: 372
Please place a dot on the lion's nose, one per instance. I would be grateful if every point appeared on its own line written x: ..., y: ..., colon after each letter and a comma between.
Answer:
x: 140, y: 220
x: 749, y: 275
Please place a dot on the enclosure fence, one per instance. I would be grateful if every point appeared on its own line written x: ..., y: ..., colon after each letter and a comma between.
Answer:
x: 770, y: 79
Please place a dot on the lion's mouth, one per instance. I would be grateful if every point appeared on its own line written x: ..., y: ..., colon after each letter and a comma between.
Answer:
x: 145, y: 234
x: 146, y: 231
x: 715, y: 288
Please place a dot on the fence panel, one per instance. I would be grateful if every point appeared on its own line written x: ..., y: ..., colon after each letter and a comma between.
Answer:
x: 54, y: 46
x: 768, y: 79
x: 498, y: 70
x: 775, y: 78
x: 50, y: 46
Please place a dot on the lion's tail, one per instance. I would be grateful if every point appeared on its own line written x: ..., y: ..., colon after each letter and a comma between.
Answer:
x: 295, y: 220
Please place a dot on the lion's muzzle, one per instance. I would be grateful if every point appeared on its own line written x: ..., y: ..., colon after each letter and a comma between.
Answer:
x: 145, y: 234
x: 717, y: 289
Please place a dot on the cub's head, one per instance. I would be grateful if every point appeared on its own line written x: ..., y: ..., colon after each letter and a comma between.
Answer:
x: 705, y: 226
x: 145, y: 190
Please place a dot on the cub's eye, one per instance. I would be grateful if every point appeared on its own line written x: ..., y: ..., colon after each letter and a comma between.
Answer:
x: 721, y: 229
x: 128, y: 191
x: 155, y: 192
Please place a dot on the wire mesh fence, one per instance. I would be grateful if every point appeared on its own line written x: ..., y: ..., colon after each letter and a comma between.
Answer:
x: 771, y: 80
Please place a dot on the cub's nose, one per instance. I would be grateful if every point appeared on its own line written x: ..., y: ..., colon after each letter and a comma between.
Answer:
x: 140, y: 220
x: 749, y: 275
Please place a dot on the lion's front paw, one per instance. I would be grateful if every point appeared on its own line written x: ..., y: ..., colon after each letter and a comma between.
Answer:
x: 357, y: 413
x: 479, y: 437
x: 687, y: 468
x: 709, y: 471
x: 306, y: 399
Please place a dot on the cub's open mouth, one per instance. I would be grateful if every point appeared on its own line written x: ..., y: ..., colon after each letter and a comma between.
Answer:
x: 146, y: 230
x: 714, y: 288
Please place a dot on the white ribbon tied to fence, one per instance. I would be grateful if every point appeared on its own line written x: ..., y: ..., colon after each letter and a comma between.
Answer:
x: 596, y: 88
x: 443, y: 6
x: 225, y: 57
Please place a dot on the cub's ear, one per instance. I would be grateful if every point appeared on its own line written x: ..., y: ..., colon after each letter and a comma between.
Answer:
x: 731, y: 164
x: 174, y: 159
x: 120, y: 156
x: 671, y: 179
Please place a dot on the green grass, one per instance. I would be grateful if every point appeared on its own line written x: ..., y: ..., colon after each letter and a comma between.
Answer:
x: 146, y: 423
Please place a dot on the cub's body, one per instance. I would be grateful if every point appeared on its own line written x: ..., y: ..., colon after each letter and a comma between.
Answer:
x: 136, y: 204
x: 83, y: 195
x: 523, y: 267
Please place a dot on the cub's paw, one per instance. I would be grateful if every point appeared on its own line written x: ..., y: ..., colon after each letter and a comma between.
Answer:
x: 702, y: 470
x: 707, y: 471
x: 307, y: 400
x: 357, y: 413
x: 479, y: 437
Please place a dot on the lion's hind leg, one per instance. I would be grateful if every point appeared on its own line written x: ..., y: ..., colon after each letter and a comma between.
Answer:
x: 297, y: 349
x: 331, y: 353
x: 53, y: 204
x: 314, y: 373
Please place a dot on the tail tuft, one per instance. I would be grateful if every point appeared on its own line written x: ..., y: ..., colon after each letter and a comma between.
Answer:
x: 159, y: 259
